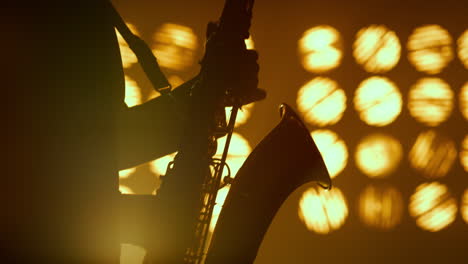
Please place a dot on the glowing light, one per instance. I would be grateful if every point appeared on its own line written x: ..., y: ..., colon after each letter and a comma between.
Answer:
x: 123, y: 174
x: 377, y: 48
x: 128, y: 57
x: 175, y: 46
x: 430, y: 48
x: 320, y: 49
x: 220, y: 198
x: 432, y: 154
x: 249, y: 43
x: 321, y: 102
x: 125, y: 190
x: 464, y: 153
x: 378, y: 101
x: 463, y: 48
x: 239, y: 150
x: 159, y: 166
x: 464, y: 206
x: 381, y: 207
x: 131, y: 254
x: 464, y: 100
x: 432, y: 206
x: 323, y: 211
x: 132, y: 92
x: 378, y: 155
x: 242, y: 115
x: 430, y: 101
x: 333, y: 150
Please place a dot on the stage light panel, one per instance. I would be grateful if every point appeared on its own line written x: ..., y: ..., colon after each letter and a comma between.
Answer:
x: 323, y: 211
x: 378, y: 101
x: 433, y: 206
x: 463, y: 48
x: 333, y: 150
x: 430, y: 49
x: 128, y: 57
x: 320, y: 49
x: 376, y: 48
x: 133, y: 95
x: 321, y: 101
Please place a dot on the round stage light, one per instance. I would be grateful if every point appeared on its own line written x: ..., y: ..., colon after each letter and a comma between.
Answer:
x: 430, y: 101
x: 220, y: 198
x: 321, y: 101
x: 132, y: 92
x: 323, y: 211
x: 464, y: 100
x: 333, y: 150
x: 320, y: 49
x: 464, y: 153
x: 433, y: 206
x: 175, y: 46
x: 380, y: 206
x: 378, y: 155
x: 239, y: 150
x: 128, y: 57
x: 378, y: 101
x: 432, y: 154
x: 430, y: 49
x: 464, y: 206
x: 242, y: 115
x: 376, y: 48
x: 463, y: 48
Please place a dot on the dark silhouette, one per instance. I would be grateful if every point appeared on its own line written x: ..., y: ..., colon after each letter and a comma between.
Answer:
x: 68, y: 131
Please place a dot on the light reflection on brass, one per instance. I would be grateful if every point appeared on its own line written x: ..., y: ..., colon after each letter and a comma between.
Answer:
x: 321, y: 101
x: 333, y: 150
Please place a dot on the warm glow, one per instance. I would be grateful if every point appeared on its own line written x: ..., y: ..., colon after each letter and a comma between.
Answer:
x: 432, y: 154
x: 123, y: 174
x: 128, y: 57
x: 378, y: 101
x: 430, y: 101
x: 333, y: 150
x: 378, y: 155
x: 131, y: 254
x: 159, y: 166
x: 377, y: 48
x: 430, y: 48
x: 464, y: 100
x: 320, y: 49
x: 242, y: 115
x: 463, y: 48
x: 249, y: 43
x: 432, y: 206
x: 464, y: 206
x: 125, y: 190
x: 323, y: 211
x: 321, y: 102
x: 220, y: 198
x: 175, y: 46
x: 132, y: 92
x: 239, y: 150
x: 381, y: 207
x: 464, y: 153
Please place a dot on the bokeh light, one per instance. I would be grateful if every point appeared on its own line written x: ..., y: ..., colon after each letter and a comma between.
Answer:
x: 333, y: 150
x: 132, y: 92
x: 123, y: 174
x: 463, y: 48
x: 131, y: 254
x: 243, y: 114
x: 380, y: 206
x: 321, y: 102
x: 378, y: 101
x: 320, y: 49
x: 378, y: 155
x: 464, y: 206
x: 377, y: 48
x: 464, y: 153
x: 249, y: 43
x: 433, y: 206
x: 432, y: 154
x: 323, y: 211
x: 159, y: 166
x: 128, y: 57
x: 175, y: 46
x: 125, y: 189
x: 464, y: 100
x: 239, y: 150
x: 220, y: 198
x: 430, y: 48
x: 430, y: 101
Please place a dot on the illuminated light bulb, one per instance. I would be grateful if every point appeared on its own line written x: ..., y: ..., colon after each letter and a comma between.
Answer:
x: 378, y: 101
x: 430, y: 101
x: 242, y: 115
x: 220, y: 198
x: 320, y: 49
x: 378, y: 155
x: 464, y: 153
x: 128, y: 57
x: 125, y: 190
x: 432, y: 206
x: 464, y: 206
x: 323, y: 211
x: 321, y: 102
x: 377, y: 48
x: 123, y: 174
x: 432, y: 154
x: 239, y: 150
x: 463, y: 48
x: 175, y: 46
x: 430, y: 49
x: 333, y: 150
x: 380, y: 206
x: 131, y: 254
x: 249, y: 43
x: 159, y: 166
x: 464, y: 100
x: 132, y: 92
